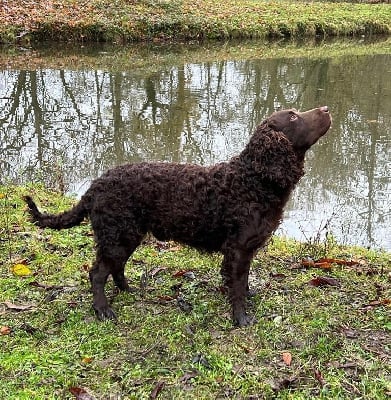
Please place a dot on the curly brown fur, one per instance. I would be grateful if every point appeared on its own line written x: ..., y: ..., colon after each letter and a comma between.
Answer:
x: 231, y: 207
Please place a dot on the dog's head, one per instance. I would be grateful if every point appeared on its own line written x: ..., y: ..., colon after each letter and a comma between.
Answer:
x: 303, y: 129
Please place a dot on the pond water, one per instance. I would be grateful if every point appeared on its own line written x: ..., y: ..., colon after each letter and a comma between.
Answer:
x: 65, y: 126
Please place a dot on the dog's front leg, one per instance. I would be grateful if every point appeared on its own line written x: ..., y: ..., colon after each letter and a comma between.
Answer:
x: 235, y: 270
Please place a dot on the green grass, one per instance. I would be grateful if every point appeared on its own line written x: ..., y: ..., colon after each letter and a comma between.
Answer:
x: 340, y: 346
x: 160, y: 20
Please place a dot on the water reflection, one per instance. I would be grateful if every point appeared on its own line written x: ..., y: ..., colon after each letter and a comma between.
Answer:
x: 72, y: 125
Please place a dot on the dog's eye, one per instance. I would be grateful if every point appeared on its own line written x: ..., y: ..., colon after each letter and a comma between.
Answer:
x: 293, y: 117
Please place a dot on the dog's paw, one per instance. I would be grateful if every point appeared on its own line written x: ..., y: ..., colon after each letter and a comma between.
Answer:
x: 105, y: 313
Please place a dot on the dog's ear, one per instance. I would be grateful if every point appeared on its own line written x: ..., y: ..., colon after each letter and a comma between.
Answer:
x: 273, y: 159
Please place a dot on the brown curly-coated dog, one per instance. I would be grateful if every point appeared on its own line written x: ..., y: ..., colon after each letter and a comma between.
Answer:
x: 232, y: 207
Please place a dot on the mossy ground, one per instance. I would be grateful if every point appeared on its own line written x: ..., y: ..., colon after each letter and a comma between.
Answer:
x: 174, y: 337
x: 123, y: 21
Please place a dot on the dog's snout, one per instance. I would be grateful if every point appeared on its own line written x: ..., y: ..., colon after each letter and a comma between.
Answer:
x: 324, y: 109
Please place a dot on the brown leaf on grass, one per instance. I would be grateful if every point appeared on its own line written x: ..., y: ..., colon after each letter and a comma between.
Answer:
x: 318, y: 376
x: 85, y: 267
x: 23, y: 261
x: 315, y: 264
x: 338, y: 261
x: 376, y: 303
x: 287, y: 358
x: 165, y: 298
x: 81, y: 394
x: 246, y: 349
x: 18, y: 307
x: 185, y: 273
x: 175, y: 248
x: 5, y: 330
x: 323, y: 281
x: 40, y: 285
x: 157, y: 389
x: 162, y: 246
x: 277, y: 276
x: 188, y: 376
x: 326, y: 263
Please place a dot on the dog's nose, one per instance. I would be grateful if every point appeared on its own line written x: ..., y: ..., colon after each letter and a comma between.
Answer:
x: 324, y: 108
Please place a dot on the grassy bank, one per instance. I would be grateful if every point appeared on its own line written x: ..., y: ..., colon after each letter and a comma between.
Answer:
x: 123, y: 21
x: 314, y: 337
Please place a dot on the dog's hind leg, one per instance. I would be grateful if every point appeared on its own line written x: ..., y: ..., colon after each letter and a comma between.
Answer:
x: 98, y: 277
x: 129, y: 245
x: 109, y: 260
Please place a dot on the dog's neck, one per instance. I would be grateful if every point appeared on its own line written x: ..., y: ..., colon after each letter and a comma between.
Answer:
x: 270, y: 158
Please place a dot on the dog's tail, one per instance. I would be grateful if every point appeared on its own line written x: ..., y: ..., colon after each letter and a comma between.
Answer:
x: 67, y: 219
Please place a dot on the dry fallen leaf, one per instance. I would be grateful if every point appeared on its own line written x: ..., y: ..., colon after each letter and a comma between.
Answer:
x: 338, y: 261
x: 323, y: 281
x: 182, y: 272
x: 277, y: 276
x: 5, y: 330
x: 287, y: 358
x: 81, y: 394
x: 318, y: 376
x: 166, y: 298
x: 375, y: 303
x: 188, y: 376
x: 175, y: 248
x: 316, y: 264
x: 85, y: 267
x: 157, y: 389
x: 18, y: 307
x: 326, y: 263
